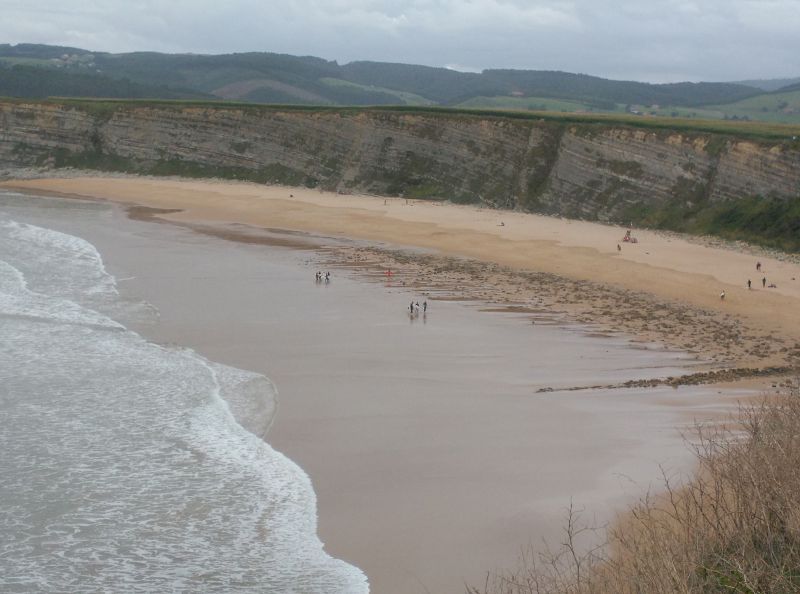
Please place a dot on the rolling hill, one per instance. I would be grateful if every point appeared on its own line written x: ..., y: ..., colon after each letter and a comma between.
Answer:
x: 31, y: 70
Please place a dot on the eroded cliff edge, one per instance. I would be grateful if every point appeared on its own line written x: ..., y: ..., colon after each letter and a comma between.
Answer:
x: 680, y: 179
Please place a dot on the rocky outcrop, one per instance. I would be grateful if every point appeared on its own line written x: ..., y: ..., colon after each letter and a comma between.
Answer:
x: 594, y: 171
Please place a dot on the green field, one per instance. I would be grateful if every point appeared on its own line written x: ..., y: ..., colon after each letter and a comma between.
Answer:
x: 37, y: 71
x: 532, y: 104
x: 703, y: 113
x: 403, y: 97
x: 782, y: 108
x: 771, y: 107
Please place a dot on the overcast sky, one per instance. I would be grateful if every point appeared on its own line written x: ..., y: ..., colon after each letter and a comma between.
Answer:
x: 648, y: 40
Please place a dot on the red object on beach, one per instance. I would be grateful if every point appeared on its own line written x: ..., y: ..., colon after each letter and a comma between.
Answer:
x: 628, y: 238
x: 388, y: 273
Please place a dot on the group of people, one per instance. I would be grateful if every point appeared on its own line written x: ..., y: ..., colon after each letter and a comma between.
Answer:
x: 750, y: 282
x: 763, y: 279
x: 763, y: 283
x: 413, y: 308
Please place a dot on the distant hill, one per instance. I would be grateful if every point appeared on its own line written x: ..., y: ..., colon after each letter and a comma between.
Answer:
x: 36, y: 83
x: 261, y: 77
x: 35, y: 50
x: 770, y: 84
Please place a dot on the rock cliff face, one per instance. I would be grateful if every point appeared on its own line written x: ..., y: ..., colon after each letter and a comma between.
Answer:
x: 594, y: 171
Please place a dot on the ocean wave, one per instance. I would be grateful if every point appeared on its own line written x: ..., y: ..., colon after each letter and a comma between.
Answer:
x: 130, y: 466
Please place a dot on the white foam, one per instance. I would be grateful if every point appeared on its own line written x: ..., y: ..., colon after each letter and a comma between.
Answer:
x: 124, y: 467
x: 75, y: 267
x: 17, y: 300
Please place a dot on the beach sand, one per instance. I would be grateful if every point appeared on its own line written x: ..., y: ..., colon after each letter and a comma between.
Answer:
x: 436, y: 449
x: 664, y: 288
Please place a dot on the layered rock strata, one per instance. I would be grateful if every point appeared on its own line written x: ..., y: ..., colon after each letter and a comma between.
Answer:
x: 593, y: 171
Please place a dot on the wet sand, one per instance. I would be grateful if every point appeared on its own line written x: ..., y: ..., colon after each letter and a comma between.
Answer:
x: 572, y: 266
x: 433, y: 452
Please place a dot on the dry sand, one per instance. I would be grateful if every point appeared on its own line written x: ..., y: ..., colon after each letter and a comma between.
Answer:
x: 663, y: 288
x: 433, y: 482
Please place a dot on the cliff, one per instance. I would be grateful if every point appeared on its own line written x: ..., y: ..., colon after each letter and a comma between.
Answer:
x: 684, y: 179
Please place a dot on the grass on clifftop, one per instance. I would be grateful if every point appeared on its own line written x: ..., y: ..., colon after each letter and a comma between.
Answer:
x: 754, y: 130
x: 766, y: 221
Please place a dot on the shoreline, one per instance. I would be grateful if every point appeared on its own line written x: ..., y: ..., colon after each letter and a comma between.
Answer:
x: 531, y: 262
x: 397, y: 516
x: 727, y: 350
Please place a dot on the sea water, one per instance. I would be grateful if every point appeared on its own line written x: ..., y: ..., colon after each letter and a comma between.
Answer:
x: 123, y: 465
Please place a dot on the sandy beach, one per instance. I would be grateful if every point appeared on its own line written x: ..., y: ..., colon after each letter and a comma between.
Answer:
x: 664, y: 288
x: 439, y: 447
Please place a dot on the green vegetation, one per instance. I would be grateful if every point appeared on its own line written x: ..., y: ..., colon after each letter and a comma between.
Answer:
x: 593, y: 89
x: 95, y: 158
x: 280, y: 78
x: 26, y: 62
x: 673, y: 111
x: 452, y: 88
x: 414, y: 176
x: 402, y: 97
x: 35, y: 82
x: 781, y: 107
x: 770, y: 84
x: 532, y: 104
x: 768, y: 221
x: 754, y: 130
x: 284, y: 79
x: 36, y: 50
x: 734, y: 526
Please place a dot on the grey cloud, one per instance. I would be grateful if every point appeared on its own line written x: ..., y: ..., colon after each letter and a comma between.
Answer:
x: 660, y: 40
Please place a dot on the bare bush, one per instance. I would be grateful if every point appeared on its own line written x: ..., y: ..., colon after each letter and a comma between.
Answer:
x: 734, y: 526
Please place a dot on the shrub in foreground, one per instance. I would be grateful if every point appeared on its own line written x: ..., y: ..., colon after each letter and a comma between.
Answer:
x: 734, y: 526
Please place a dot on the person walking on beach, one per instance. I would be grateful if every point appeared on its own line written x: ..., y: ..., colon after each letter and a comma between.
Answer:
x: 764, y: 282
x: 748, y: 283
x: 758, y: 266
x: 424, y: 307
x: 722, y: 296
